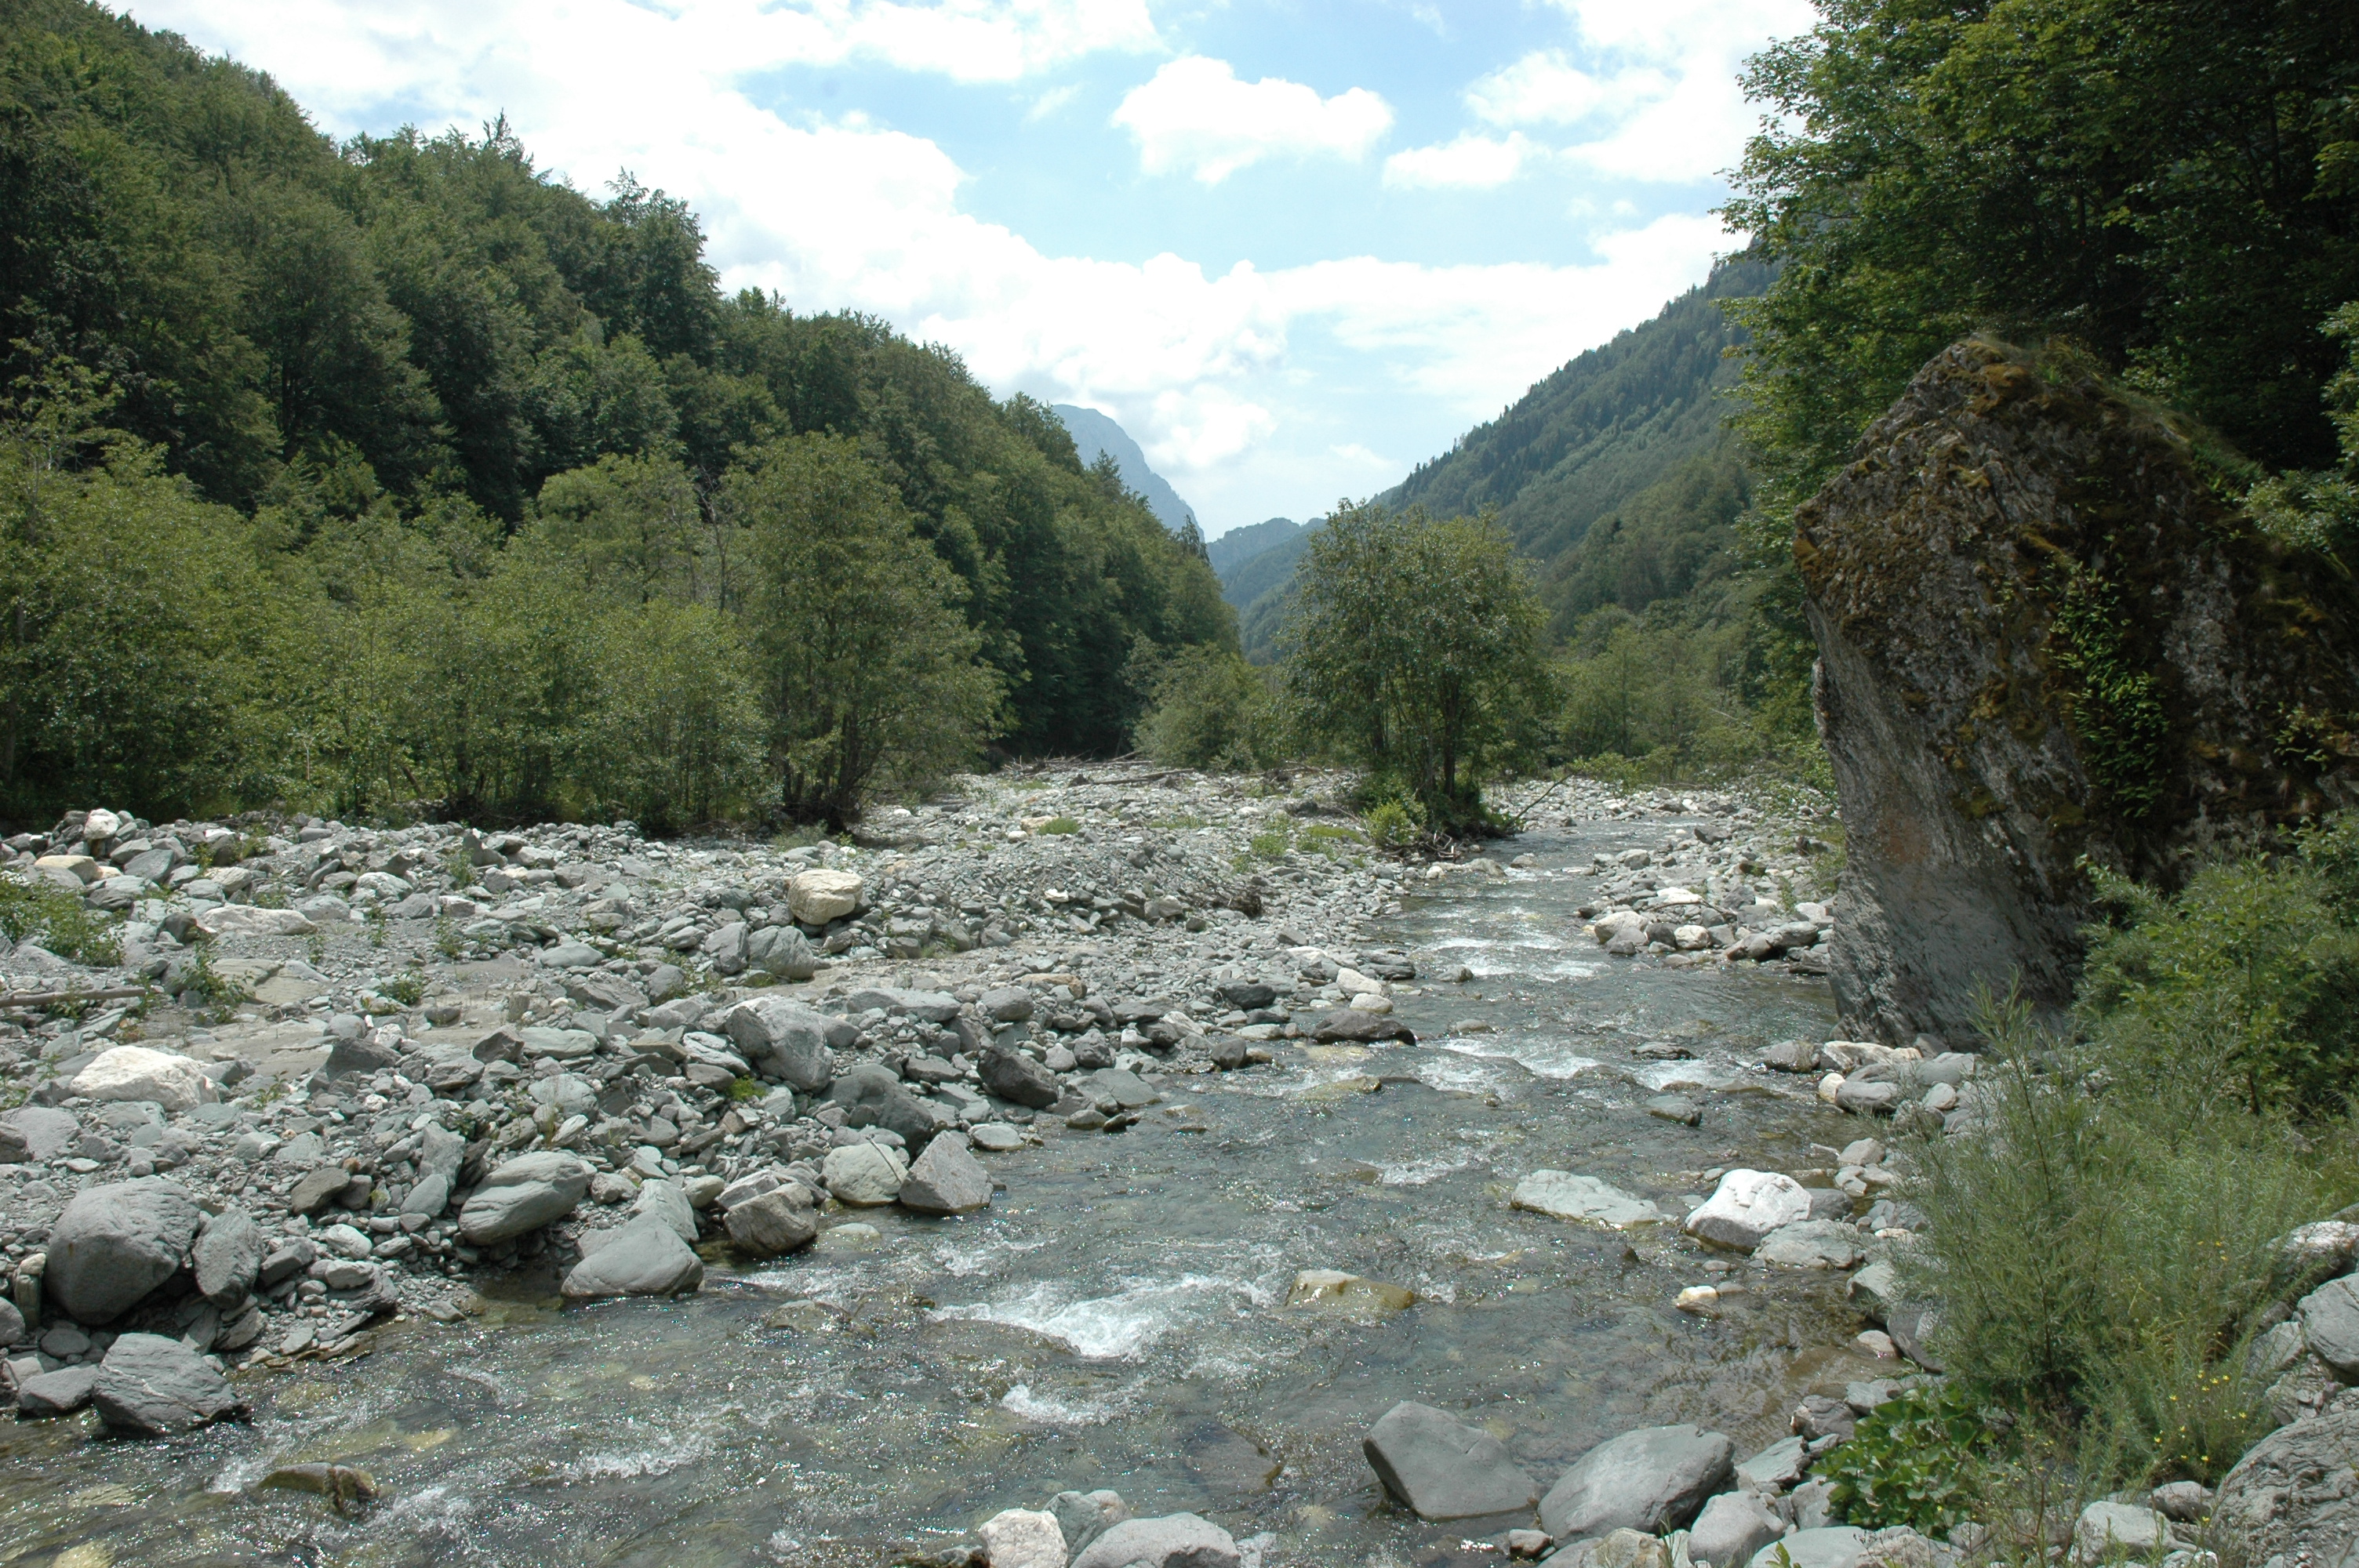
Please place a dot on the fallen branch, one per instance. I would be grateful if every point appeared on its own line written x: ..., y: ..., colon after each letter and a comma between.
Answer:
x: 52, y: 998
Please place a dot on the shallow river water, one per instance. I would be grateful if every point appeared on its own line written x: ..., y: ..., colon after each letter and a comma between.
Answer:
x: 1118, y: 1319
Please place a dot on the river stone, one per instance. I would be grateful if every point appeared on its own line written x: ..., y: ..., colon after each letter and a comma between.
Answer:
x: 665, y: 1202
x: 1023, y: 1538
x: 934, y: 1007
x: 1562, y: 1194
x: 782, y: 951
x: 1351, y: 1023
x: 35, y: 1134
x: 644, y: 1257
x: 1174, y: 1541
x: 1443, y: 1468
x: 862, y: 1175
x: 13, y: 1330
x: 2330, y: 1323
x: 1876, y: 1290
x: 1828, y: 1546
x: 1811, y: 1244
x: 2291, y: 1494
x: 775, y: 1222
x: 227, y: 1255
x: 1732, y: 1527
x: 1006, y: 1004
x: 946, y: 1179
x: 1652, y: 1479
x: 1012, y: 1076
x: 113, y: 1244
x: 528, y: 1192
x: 1622, y: 1549
x: 60, y: 1392
x: 1863, y: 1096
x: 1772, y: 1469
x: 430, y: 1197
x: 787, y: 1041
x: 1124, y: 1087
x: 2114, y: 1532
x: 817, y: 897
x: 251, y: 920
x: 136, y: 1073
x: 1746, y: 1207
x: 873, y: 1096
x: 149, y: 1386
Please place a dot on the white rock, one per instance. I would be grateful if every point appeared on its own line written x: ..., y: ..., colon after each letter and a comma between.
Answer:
x: 1563, y: 1195
x: 251, y: 920
x: 136, y: 1073
x: 863, y: 1175
x: 819, y: 896
x: 1746, y: 1207
x: 1021, y: 1538
x: 1352, y: 981
x: 101, y: 825
x: 2119, y: 1531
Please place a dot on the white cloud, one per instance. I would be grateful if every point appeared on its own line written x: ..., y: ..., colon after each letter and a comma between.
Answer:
x: 1195, y: 116
x: 1657, y: 97
x: 1469, y: 163
x: 1048, y: 103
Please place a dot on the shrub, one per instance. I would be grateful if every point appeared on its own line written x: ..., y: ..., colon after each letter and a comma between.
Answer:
x: 54, y: 918
x: 1059, y: 824
x: 1394, y: 824
x: 1210, y: 710
x: 1915, y: 1460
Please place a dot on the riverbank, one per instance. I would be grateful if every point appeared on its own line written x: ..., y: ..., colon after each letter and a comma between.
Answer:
x: 1538, y: 1052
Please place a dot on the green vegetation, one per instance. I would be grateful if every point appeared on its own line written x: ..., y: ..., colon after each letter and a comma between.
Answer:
x: 1914, y: 1460
x: 1211, y: 709
x: 33, y: 911
x: 1415, y: 652
x: 408, y: 989
x: 395, y: 475
x: 1059, y: 824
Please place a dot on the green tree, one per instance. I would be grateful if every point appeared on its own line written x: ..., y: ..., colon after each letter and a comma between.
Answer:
x: 1210, y: 710
x: 867, y: 672
x: 674, y: 734
x: 1416, y: 652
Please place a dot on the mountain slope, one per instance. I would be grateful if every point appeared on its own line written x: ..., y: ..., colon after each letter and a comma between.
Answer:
x: 1614, y: 475
x: 1093, y: 433
x: 1239, y: 545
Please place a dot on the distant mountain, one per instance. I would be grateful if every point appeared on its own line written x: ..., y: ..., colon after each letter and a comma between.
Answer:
x: 1614, y: 475
x: 1094, y: 433
x: 1240, y: 545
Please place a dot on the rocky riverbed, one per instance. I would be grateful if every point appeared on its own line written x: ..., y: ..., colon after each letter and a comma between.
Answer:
x: 1102, y: 1142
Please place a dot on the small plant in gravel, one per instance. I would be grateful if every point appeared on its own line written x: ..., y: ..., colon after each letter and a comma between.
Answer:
x: 1270, y: 845
x: 409, y: 988
x: 1059, y: 824
x: 57, y: 920
x: 1915, y: 1460
x: 447, y: 940
x: 207, y: 987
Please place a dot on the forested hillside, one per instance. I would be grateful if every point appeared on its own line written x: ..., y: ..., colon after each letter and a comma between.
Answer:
x: 323, y: 396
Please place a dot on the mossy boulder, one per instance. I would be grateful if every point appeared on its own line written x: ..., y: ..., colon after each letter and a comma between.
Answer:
x: 2048, y: 639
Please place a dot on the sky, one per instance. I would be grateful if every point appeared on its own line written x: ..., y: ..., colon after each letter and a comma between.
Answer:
x: 1293, y: 248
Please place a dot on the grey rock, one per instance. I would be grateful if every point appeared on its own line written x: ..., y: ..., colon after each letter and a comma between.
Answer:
x: 1014, y: 1077
x: 787, y: 1041
x: 33, y: 1133
x: 1811, y: 1244
x: 1828, y: 1546
x: 1653, y: 1479
x: 150, y: 1385
x: 2108, y: 1531
x: 645, y: 1256
x: 1675, y: 1107
x: 1350, y: 1023
x: 1174, y: 1541
x: 1811, y: 1506
x: 1732, y: 1527
x: 873, y: 1096
x: 113, y: 1244
x: 1124, y: 1087
x: 1772, y: 1469
x: 946, y: 1179
x: 429, y: 1196
x: 1085, y: 1516
x: 227, y: 1256
x: 2330, y: 1323
x: 1789, y: 1056
x: 1874, y: 1289
x: 725, y: 948
x: 60, y: 1392
x: 1006, y: 1004
x: 2291, y: 1496
x: 934, y: 1007
x: 572, y: 955
x: 360, y: 1053
x: 773, y: 1223
x: 665, y: 1202
x: 528, y: 1192
x: 782, y: 951
x: 862, y: 1174
x: 1443, y: 1468
x: 1564, y: 1194
x: 2183, y: 1502
x: 13, y: 1330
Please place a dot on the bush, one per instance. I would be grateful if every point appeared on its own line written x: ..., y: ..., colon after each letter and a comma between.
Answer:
x: 1915, y: 1460
x: 1059, y: 824
x: 31, y: 910
x: 1210, y: 710
x: 2105, y: 1241
x: 1651, y: 703
x: 674, y: 733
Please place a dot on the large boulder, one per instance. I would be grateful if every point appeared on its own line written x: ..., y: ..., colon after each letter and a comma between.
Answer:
x: 113, y: 1244
x: 528, y: 1192
x: 1653, y: 1479
x: 2047, y: 643
x: 863, y: 1175
x: 2291, y: 1494
x: 1174, y: 1541
x: 789, y: 1042
x: 1746, y: 1207
x: 136, y: 1073
x: 33, y: 1133
x: 1023, y: 1538
x: 1443, y: 1468
x: 946, y: 1179
x: 227, y: 1256
x: 149, y: 1386
x: 872, y: 1096
x: 783, y: 952
x: 778, y: 1221
x: 644, y: 1257
x: 1824, y: 1546
x: 816, y: 897
x: 2330, y: 1323
x: 1351, y: 1023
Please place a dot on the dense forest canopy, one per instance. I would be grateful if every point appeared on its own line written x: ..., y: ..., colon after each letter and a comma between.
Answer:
x: 341, y: 354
